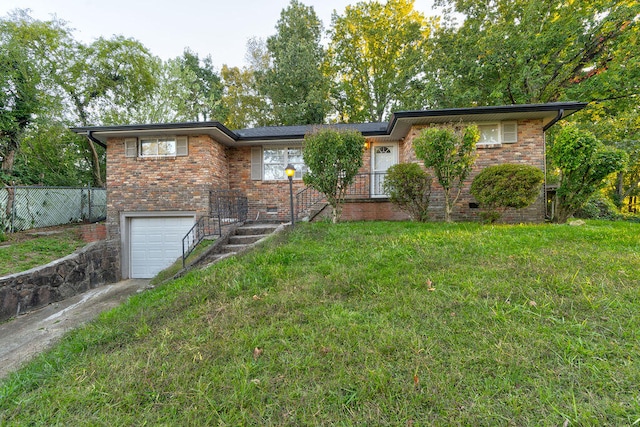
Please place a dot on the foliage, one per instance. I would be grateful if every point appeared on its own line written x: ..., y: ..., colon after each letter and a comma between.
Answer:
x: 52, y: 155
x: 520, y: 52
x: 377, y: 55
x: 598, y: 207
x: 244, y: 105
x: 107, y: 79
x: 409, y: 187
x: 450, y: 151
x: 542, y: 317
x: 20, y: 77
x: 507, y: 186
x: 584, y: 163
x: 333, y: 158
x: 294, y: 83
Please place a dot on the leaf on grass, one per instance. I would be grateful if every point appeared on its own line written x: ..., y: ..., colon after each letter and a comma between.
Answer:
x: 257, y: 352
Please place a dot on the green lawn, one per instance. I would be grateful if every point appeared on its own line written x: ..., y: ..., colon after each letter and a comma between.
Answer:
x: 27, y: 249
x: 366, y: 324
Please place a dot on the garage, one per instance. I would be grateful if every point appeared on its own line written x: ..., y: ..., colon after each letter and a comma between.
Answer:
x: 155, y: 243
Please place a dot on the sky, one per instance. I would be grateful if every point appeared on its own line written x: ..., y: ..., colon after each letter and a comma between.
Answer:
x: 220, y: 28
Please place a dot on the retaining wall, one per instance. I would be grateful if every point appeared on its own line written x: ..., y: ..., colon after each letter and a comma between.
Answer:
x: 87, y: 268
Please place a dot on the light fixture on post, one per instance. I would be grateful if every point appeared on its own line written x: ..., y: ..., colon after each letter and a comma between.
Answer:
x: 291, y: 171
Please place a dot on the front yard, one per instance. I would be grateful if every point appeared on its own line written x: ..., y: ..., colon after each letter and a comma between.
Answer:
x: 365, y: 324
x: 27, y: 249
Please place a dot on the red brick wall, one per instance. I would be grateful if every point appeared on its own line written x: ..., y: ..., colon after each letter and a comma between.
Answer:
x: 183, y: 183
x: 163, y: 184
x: 528, y: 150
x: 268, y: 200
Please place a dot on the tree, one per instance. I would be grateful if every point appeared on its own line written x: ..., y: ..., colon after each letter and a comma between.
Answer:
x: 21, y: 97
x: 377, y: 54
x: 409, y: 188
x: 584, y: 163
x: 334, y: 158
x: 504, y: 186
x: 202, y: 88
x: 106, y: 79
x: 244, y: 105
x: 294, y: 83
x: 450, y: 151
x: 519, y: 52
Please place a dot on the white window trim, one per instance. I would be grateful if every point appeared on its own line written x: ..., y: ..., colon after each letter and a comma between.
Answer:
x: 501, y: 133
x: 133, y: 147
x: 255, y: 167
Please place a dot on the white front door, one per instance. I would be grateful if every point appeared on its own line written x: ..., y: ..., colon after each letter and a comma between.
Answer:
x: 156, y: 243
x: 383, y: 156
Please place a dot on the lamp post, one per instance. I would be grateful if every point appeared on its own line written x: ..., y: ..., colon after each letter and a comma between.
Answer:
x: 290, y: 171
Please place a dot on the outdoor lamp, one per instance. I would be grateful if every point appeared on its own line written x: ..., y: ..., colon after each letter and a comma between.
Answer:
x: 291, y: 171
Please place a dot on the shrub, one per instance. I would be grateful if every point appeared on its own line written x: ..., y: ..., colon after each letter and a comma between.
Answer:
x: 409, y: 188
x: 598, y: 207
x: 584, y: 163
x: 499, y: 187
x: 334, y: 158
x: 450, y: 151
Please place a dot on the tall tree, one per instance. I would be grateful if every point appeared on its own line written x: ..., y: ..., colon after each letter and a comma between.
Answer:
x: 377, y: 55
x: 244, y: 105
x: 518, y: 52
x: 22, y: 42
x: 203, y: 86
x: 107, y: 78
x: 294, y: 83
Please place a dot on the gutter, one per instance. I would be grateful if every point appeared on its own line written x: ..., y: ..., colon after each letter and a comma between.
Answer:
x: 555, y: 120
x: 94, y: 139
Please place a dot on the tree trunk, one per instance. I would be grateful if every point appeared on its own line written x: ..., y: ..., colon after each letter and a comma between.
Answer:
x: 95, y: 165
x: 8, y: 160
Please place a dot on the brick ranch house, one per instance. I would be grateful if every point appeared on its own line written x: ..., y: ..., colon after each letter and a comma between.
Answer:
x: 160, y: 177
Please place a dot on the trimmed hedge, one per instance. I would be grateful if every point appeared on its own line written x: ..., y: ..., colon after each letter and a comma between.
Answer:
x: 497, y: 188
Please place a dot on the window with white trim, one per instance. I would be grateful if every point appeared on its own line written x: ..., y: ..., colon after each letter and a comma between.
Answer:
x: 269, y: 163
x: 498, y: 133
x: 167, y: 146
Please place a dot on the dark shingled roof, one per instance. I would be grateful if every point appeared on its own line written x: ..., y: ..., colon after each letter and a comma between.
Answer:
x: 286, y: 132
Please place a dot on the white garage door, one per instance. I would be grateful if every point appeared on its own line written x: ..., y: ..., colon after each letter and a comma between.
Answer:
x: 156, y: 243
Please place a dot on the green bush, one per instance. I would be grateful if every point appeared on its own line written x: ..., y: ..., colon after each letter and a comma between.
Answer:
x: 409, y: 188
x: 497, y: 188
x: 598, y: 207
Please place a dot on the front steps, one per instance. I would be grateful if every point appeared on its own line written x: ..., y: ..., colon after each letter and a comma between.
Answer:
x: 239, y: 240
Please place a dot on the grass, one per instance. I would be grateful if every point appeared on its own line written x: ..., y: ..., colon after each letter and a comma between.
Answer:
x: 365, y: 324
x: 174, y: 268
x: 27, y: 249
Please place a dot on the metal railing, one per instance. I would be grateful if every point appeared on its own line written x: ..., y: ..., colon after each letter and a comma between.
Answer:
x: 367, y: 185
x: 364, y: 186
x: 227, y: 207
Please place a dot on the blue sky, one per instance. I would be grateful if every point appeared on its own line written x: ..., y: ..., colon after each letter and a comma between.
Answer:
x: 209, y: 27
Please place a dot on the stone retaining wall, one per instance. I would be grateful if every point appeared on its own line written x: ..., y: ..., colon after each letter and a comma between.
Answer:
x: 87, y: 268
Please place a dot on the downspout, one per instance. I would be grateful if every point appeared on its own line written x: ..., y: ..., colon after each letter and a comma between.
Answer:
x: 544, y: 141
x: 97, y: 141
x: 555, y: 120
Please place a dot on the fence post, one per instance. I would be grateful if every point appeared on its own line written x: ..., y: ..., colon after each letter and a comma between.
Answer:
x: 12, y: 202
x: 89, y: 201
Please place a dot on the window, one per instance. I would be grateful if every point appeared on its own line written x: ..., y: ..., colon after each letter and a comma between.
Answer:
x: 498, y: 133
x: 171, y: 146
x: 269, y: 163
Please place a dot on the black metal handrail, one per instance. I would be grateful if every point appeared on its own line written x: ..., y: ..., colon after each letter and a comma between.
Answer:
x: 364, y: 186
x: 227, y: 207
x: 306, y: 200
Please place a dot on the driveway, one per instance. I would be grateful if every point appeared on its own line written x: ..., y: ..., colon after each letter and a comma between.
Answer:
x: 27, y: 335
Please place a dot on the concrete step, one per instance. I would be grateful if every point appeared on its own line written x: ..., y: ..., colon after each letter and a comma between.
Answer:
x: 255, y: 229
x: 245, y: 239
x: 232, y: 248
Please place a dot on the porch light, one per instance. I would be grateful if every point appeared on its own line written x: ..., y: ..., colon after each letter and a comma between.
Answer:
x: 291, y: 171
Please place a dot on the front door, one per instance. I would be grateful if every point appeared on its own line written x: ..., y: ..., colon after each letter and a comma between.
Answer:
x: 383, y: 156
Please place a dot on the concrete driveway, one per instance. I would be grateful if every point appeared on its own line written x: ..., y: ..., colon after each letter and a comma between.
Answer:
x: 27, y: 335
